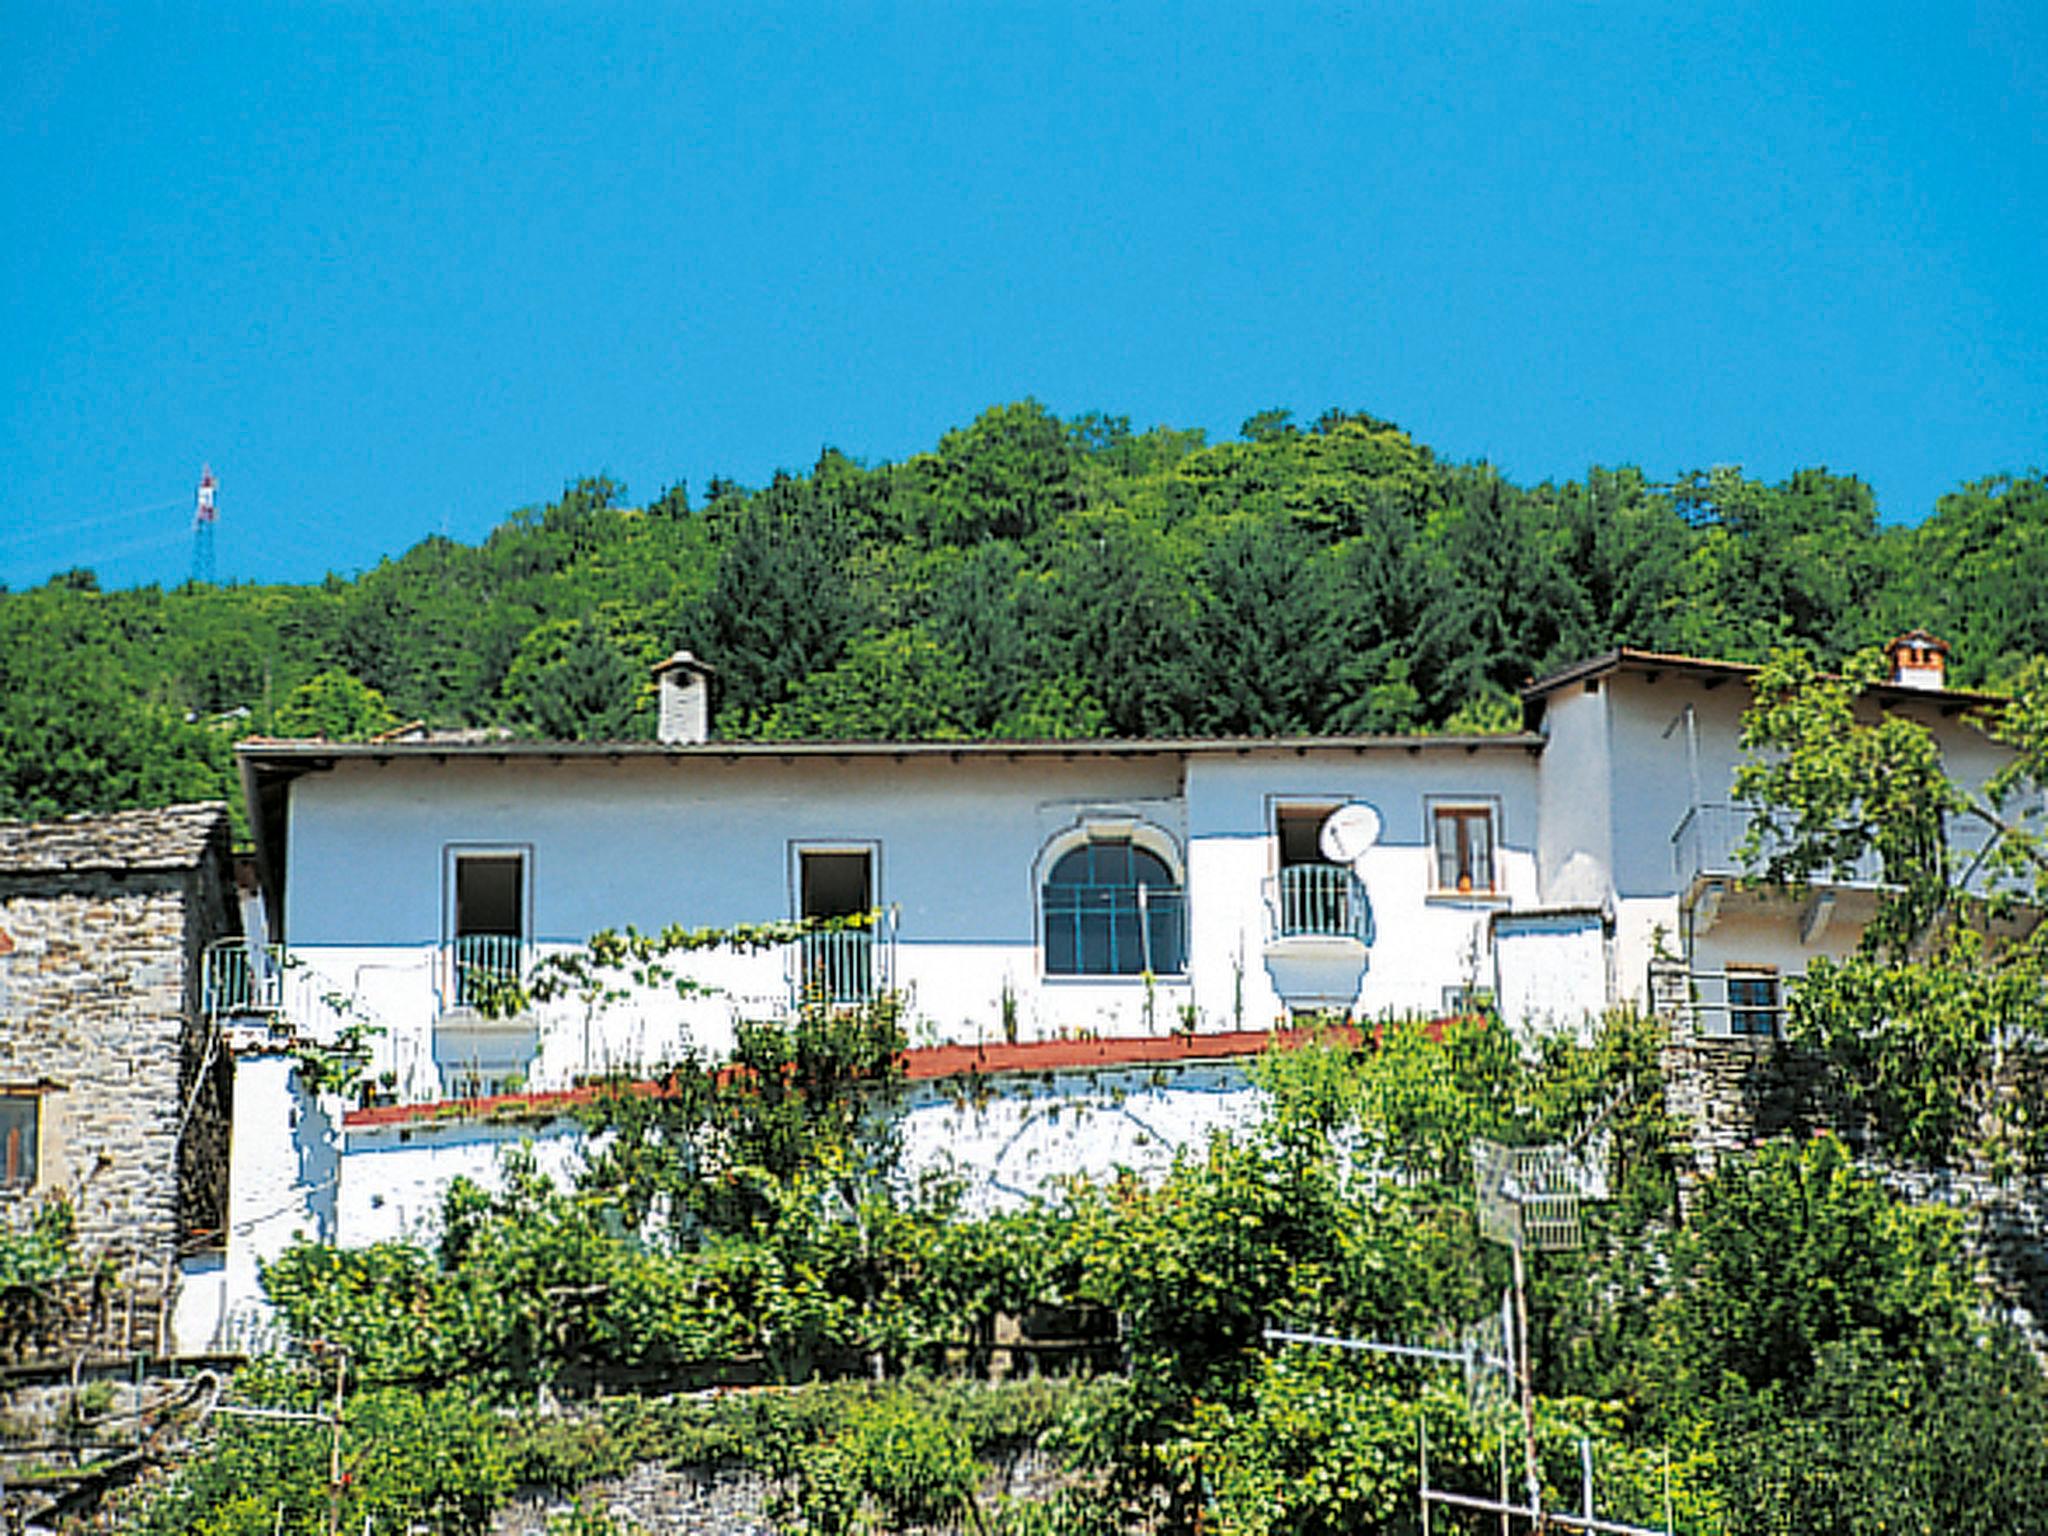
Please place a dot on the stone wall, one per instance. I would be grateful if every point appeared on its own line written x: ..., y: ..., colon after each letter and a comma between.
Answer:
x: 101, y: 1016
x: 96, y: 1017
x: 1728, y: 1094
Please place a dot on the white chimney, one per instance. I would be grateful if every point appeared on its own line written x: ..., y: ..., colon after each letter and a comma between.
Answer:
x: 1919, y: 660
x: 684, y: 684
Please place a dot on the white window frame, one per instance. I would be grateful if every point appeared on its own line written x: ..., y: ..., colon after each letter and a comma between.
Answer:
x: 452, y: 854
x: 1753, y: 971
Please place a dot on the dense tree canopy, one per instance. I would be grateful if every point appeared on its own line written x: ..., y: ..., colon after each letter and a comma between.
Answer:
x: 1027, y: 577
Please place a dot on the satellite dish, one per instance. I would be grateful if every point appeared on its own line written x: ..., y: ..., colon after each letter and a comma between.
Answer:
x: 1348, y: 831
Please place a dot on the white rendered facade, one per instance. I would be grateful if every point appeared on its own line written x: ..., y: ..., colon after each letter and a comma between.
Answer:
x: 1545, y: 870
x: 958, y: 847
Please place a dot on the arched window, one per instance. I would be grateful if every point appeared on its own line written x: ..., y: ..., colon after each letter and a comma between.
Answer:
x: 1113, y: 909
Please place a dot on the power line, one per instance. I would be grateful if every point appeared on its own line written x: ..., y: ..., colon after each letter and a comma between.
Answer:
x: 51, y: 530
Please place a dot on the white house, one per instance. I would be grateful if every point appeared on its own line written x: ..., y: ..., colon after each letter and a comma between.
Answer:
x: 1031, y: 892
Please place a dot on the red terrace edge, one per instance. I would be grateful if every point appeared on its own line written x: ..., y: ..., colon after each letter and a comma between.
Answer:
x: 927, y: 1063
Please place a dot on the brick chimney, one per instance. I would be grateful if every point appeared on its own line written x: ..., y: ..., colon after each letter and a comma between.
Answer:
x: 684, y: 685
x: 1919, y: 660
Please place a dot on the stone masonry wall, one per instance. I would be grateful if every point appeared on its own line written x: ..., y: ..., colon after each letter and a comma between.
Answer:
x: 96, y: 1008
x: 1729, y: 1094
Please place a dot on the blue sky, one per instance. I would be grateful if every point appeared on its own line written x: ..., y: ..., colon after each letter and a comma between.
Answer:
x: 397, y: 269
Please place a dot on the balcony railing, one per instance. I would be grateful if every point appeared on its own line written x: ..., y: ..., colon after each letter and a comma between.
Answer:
x: 840, y: 968
x: 1708, y: 841
x: 1322, y: 900
x: 481, y: 966
x: 241, y: 982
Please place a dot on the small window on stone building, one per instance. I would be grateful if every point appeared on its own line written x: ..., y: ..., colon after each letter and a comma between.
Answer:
x: 21, y: 1117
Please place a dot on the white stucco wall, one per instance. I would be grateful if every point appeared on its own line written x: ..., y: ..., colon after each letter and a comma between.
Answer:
x: 393, y: 1177
x: 959, y: 847
x: 1423, y: 941
x: 1657, y: 759
x: 1653, y: 761
x: 1007, y: 1138
x: 1551, y: 971
x: 957, y: 851
x: 1575, y: 799
x: 284, y: 1170
x: 1032, y: 1130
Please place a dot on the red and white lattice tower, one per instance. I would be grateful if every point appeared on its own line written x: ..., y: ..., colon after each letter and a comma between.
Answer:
x: 204, y: 515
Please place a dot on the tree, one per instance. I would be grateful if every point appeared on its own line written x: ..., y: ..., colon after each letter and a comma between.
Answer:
x: 336, y: 705
x: 1005, y: 476
x: 1935, y: 1021
x: 569, y: 681
x: 1976, y: 574
x: 784, y: 603
x: 901, y: 686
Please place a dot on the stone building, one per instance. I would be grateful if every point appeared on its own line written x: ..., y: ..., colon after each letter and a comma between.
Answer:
x: 113, y: 1087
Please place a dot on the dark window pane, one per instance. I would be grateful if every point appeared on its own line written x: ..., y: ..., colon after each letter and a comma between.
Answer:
x: 18, y: 1117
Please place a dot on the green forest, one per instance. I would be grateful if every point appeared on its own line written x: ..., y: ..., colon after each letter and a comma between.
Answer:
x: 1029, y: 577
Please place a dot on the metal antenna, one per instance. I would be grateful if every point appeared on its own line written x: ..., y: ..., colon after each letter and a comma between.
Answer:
x: 1528, y: 1197
x: 204, y: 516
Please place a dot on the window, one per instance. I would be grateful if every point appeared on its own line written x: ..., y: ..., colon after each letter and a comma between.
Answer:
x: 20, y: 1130
x: 489, y: 923
x: 1753, y: 1001
x: 837, y: 966
x: 1464, y: 848
x: 1112, y: 909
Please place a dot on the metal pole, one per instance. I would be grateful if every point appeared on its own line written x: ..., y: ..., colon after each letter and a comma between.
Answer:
x: 1422, y: 1429
x: 1503, y: 1481
x: 334, y: 1447
x: 1528, y: 1385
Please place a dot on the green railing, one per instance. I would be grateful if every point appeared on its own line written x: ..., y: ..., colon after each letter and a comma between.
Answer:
x: 1323, y: 900
x: 484, y: 965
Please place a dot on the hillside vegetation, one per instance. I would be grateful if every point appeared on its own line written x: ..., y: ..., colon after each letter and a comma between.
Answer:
x: 1803, y: 1354
x: 1028, y: 577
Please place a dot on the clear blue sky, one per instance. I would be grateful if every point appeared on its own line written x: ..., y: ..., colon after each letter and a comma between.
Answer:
x: 396, y: 269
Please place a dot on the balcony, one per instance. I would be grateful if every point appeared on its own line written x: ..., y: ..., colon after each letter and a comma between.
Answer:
x: 1707, y: 844
x: 241, y: 981
x: 1319, y: 927
x: 1706, y: 859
